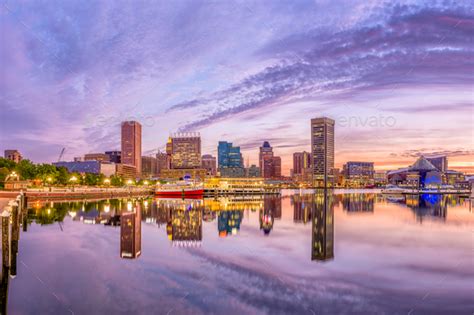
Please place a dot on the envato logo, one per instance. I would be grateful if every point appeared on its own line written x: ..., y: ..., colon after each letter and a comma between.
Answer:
x: 104, y: 120
x: 373, y: 121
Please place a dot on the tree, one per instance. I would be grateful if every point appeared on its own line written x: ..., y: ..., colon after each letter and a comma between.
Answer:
x: 116, y: 180
x: 26, y: 169
x: 8, y: 164
x: 63, y: 175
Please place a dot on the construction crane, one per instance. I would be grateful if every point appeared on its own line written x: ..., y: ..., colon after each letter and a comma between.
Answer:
x: 61, y: 154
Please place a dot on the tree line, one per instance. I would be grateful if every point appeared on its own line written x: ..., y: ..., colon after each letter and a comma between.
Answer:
x: 48, y: 174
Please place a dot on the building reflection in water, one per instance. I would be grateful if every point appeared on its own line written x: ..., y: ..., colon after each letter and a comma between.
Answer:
x: 228, y: 222
x: 429, y: 205
x: 183, y: 220
x: 358, y: 203
x: 303, y: 205
x: 322, y: 239
x: 131, y: 231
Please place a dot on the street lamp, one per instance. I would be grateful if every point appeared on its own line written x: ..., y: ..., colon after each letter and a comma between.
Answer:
x: 145, y: 183
x: 73, y: 179
x: 129, y: 182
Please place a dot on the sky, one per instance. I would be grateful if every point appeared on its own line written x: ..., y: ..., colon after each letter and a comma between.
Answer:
x: 397, y: 77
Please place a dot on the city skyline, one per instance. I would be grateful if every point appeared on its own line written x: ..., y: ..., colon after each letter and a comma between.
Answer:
x: 373, y: 68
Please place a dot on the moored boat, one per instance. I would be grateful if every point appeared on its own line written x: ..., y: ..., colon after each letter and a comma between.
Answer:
x: 180, y: 189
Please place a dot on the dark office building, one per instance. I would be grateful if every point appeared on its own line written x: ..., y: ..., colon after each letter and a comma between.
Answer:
x: 114, y: 156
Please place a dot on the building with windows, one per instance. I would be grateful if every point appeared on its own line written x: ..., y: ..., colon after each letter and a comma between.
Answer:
x: 149, y: 167
x: 322, y: 151
x: 252, y: 171
x: 96, y: 157
x: 132, y: 144
x: 270, y: 165
x: 229, y: 160
x: 209, y: 163
x: 114, y: 156
x: 126, y: 171
x: 185, y: 150
x: 162, y: 161
x: 301, y: 161
x: 358, y: 174
x: 13, y: 155
x: 229, y: 155
x: 92, y: 167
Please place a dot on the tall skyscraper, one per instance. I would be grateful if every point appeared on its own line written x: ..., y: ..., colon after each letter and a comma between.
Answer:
x: 270, y: 165
x: 132, y: 144
x: 322, y: 150
x: 186, y: 150
x: 301, y: 160
x: 265, y: 160
x: 130, y: 233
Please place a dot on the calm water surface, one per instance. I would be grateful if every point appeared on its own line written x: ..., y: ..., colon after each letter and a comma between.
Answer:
x: 301, y: 253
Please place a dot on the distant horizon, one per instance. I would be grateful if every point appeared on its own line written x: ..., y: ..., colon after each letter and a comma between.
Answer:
x: 396, y: 77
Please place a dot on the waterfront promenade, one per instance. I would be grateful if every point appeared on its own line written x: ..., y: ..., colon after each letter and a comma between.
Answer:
x: 54, y: 193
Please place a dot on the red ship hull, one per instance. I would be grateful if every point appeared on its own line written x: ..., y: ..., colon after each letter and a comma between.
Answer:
x: 181, y: 193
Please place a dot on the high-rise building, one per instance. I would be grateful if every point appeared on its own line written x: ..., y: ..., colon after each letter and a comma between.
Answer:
x: 114, y: 156
x: 265, y: 159
x: 270, y: 165
x: 301, y: 160
x: 209, y: 163
x: 186, y: 151
x: 13, y: 155
x: 439, y: 161
x: 230, y: 161
x: 322, y: 151
x: 229, y: 155
x: 132, y: 144
x: 149, y: 166
x: 130, y: 232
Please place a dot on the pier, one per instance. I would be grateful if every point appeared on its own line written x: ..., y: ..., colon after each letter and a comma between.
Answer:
x: 12, y: 215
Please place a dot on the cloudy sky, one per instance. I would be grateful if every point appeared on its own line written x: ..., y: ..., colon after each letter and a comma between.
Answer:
x: 397, y: 78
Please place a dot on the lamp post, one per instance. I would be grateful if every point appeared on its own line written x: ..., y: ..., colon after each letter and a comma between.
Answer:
x: 49, y: 180
x: 107, y: 183
x: 73, y: 179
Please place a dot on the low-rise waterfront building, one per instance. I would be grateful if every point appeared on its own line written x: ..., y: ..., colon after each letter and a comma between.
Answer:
x: 92, y: 167
x: 114, y: 156
x: 194, y: 173
x: 209, y: 163
x: 96, y: 157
